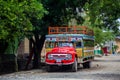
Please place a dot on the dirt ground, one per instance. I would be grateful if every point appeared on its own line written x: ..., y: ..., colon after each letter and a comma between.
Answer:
x: 102, y: 68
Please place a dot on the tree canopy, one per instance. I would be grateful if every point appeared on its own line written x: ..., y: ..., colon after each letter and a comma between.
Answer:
x: 103, y: 36
x: 62, y: 11
x: 104, y: 13
x: 15, y: 16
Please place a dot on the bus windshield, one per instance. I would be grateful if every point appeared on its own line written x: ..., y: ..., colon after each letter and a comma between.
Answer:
x: 58, y: 44
x: 63, y: 44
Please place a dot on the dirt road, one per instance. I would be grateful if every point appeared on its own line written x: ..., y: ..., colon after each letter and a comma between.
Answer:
x: 103, y: 68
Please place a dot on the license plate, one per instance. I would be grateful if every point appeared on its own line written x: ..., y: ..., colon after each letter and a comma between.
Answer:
x: 58, y: 60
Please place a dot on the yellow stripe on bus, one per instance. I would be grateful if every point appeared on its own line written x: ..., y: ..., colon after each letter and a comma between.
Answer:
x: 79, y: 52
x: 48, y: 49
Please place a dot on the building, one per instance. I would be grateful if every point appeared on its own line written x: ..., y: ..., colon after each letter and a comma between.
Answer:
x: 117, y: 40
x: 23, y: 49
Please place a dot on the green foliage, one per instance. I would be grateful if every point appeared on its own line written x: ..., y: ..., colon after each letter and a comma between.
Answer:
x: 103, y: 36
x: 88, y: 43
x: 62, y: 11
x: 115, y: 47
x: 12, y: 46
x: 104, y: 13
x: 59, y: 13
x: 108, y: 35
x: 98, y: 35
x: 15, y: 17
x: 16, y: 21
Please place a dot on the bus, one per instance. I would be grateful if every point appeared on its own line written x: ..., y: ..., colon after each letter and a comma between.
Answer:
x: 68, y: 46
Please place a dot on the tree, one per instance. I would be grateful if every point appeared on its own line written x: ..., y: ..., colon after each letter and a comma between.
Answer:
x: 62, y: 11
x: 102, y: 36
x: 103, y: 13
x: 59, y: 14
x: 15, y: 22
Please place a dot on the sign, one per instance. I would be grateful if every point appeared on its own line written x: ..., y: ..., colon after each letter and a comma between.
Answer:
x: 58, y: 60
x: 63, y: 38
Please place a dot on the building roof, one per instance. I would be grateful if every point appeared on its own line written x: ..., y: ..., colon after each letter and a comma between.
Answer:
x: 117, y: 37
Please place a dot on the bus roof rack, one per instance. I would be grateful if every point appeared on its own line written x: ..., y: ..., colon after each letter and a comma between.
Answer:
x: 71, y: 30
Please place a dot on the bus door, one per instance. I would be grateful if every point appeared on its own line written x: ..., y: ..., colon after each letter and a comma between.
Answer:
x: 79, y: 48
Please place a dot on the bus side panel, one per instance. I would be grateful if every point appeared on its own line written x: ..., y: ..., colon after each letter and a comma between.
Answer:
x: 48, y: 49
x: 88, y: 51
x: 79, y: 52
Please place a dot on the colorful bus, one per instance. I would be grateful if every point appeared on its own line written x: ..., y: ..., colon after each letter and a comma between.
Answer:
x: 68, y: 46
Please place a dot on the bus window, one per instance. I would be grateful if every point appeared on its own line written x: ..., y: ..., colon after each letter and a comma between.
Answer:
x: 88, y: 43
x: 56, y: 44
x: 49, y: 44
x: 63, y: 44
x: 78, y: 44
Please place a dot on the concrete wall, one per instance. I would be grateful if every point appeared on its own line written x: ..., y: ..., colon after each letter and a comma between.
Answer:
x: 23, y: 49
x: 26, y: 46
x: 118, y: 44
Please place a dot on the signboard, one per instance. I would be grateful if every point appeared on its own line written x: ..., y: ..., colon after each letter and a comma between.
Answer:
x: 64, y: 38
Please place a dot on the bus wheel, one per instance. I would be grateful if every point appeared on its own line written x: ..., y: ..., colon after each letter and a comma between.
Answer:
x: 87, y: 64
x: 74, y: 66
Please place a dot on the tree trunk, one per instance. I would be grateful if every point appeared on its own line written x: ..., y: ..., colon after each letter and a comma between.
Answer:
x: 30, y: 58
x: 42, y: 39
x: 37, y: 47
x: 37, y: 52
x: 36, y: 60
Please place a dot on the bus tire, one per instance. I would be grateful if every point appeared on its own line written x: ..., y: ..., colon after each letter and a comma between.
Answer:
x: 87, y: 65
x: 74, y: 66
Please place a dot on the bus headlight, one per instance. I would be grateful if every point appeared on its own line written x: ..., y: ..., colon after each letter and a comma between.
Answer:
x: 68, y: 57
x: 50, y: 56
